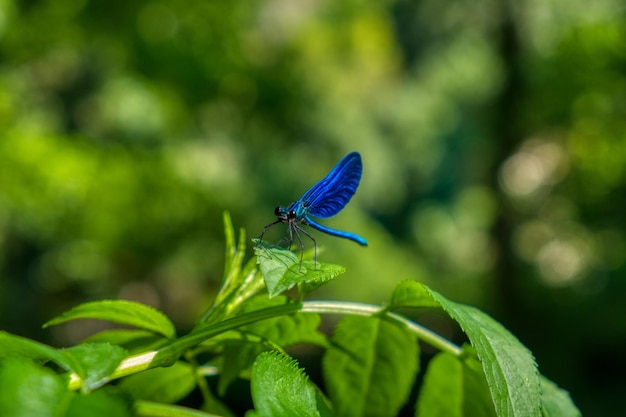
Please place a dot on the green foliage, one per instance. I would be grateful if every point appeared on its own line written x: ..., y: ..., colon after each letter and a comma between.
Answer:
x: 281, y: 389
x: 370, y: 364
x: 509, y: 367
x: 282, y: 269
x: 97, y: 362
x: 555, y: 401
x: 168, y: 385
x: 492, y: 138
x: 454, y: 387
x: 364, y: 353
x: 122, y: 312
x: 28, y: 389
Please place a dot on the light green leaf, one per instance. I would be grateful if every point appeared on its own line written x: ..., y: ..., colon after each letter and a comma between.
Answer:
x: 98, y: 361
x: 11, y: 345
x: 556, y: 402
x: 165, y: 385
x: 370, y: 367
x: 509, y: 366
x: 153, y: 409
x: 282, y: 269
x: 454, y: 387
x: 30, y: 390
x: 281, y: 389
x: 409, y: 293
x: 120, y: 311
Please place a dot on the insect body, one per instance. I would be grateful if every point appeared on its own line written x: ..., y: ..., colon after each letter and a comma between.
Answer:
x: 325, y: 199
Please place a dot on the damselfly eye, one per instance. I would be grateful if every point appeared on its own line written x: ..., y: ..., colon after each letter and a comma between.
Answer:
x: 277, y: 211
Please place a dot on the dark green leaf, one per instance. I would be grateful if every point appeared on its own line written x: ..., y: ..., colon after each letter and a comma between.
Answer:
x: 556, y: 402
x: 441, y: 394
x: 509, y: 367
x: 282, y: 331
x: 281, y: 389
x: 120, y: 311
x: 239, y: 355
x: 370, y: 367
x: 285, y: 330
x: 454, y: 387
x: 102, y: 403
x: 27, y: 389
x: 98, y: 361
x: 165, y: 385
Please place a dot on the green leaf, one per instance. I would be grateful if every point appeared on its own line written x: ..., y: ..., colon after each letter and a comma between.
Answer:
x: 98, y: 361
x: 454, y: 387
x: 281, y: 331
x: 509, y: 366
x: 409, y: 293
x: 133, y: 340
x: 282, y: 270
x: 556, y: 402
x: 285, y: 330
x: 370, y: 367
x: 105, y: 402
x: 120, y: 311
x: 281, y: 389
x: 151, y: 409
x: 27, y: 389
x: 239, y: 355
x: 165, y: 385
x: 241, y: 280
x: 11, y: 345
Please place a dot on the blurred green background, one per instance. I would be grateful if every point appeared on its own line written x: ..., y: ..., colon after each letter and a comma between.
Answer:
x: 492, y: 134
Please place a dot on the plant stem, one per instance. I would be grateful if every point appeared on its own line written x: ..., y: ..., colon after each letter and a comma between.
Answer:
x: 359, y: 309
x: 169, y: 354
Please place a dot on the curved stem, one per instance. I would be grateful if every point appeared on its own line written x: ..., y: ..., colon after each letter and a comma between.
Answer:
x: 168, y: 355
x: 343, y: 307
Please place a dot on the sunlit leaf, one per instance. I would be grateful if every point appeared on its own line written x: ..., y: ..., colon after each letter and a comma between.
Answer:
x: 98, y: 361
x: 409, y: 293
x: 120, y: 311
x: 282, y: 269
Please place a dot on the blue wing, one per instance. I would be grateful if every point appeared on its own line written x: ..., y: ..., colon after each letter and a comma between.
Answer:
x: 331, y: 194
